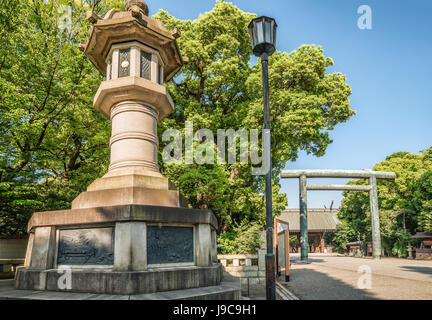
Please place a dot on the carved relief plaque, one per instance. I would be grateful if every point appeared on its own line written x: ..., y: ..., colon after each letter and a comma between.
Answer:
x: 167, y: 245
x: 86, y: 247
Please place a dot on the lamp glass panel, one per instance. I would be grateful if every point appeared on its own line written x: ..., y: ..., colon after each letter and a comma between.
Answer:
x: 259, y: 32
x: 252, y: 37
x: 255, y: 35
x: 268, y: 32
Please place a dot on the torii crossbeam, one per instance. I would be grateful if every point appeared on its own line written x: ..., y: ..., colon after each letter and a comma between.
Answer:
x: 303, y: 175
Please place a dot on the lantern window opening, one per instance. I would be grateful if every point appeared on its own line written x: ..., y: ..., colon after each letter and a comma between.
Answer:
x: 145, y: 66
x: 124, y: 63
x: 135, y: 43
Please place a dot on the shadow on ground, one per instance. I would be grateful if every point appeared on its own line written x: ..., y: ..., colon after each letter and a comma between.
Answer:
x: 309, y: 284
x: 422, y: 270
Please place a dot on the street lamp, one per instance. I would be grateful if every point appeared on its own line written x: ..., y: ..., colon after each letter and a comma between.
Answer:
x: 263, y: 34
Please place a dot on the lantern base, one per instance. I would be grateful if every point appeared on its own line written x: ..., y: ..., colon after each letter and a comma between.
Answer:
x: 120, y: 283
x: 124, y: 250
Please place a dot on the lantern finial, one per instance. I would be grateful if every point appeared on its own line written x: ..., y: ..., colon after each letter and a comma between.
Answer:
x: 138, y: 4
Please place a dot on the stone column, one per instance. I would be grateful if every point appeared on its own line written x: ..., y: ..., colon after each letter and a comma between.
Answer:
x: 304, y: 240
x: 298, y: 244
x: 375, y: 220
x: 134, y: 142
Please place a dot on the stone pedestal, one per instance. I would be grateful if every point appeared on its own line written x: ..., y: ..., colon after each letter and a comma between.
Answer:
x: 126, y: 250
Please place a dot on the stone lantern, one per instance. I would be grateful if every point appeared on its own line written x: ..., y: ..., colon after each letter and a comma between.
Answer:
x: 130, y: 232
x: 137, y: 55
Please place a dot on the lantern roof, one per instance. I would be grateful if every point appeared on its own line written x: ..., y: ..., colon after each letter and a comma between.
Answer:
x: 132, y: 25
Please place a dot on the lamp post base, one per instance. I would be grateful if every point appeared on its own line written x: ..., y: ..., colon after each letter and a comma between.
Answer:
x: 270, y: 277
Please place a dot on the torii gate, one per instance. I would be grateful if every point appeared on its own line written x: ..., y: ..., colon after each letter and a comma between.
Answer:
x: 303, y: 175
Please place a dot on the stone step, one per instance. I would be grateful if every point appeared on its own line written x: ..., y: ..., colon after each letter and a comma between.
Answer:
x: 224, y: 291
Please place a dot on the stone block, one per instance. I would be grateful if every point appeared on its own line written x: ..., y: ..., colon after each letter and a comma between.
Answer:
x: 131, y: 180
x: 7, y: 268
x: 214, y: 246
x: 29, y: 250
x: 27, y: 279
x: 203, y: 245
x: 130, y: 253
x: 127, y: 196
x: 122, y: 283
x: 261, y: 259
x: 139, y: 89
x: 250, y: 274
x: 254, y: 281
x: 43, y: 251
x: 110, y: 215
x: 250, y: 269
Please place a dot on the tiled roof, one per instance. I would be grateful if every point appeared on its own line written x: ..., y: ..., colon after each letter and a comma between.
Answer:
x: 319, y: 220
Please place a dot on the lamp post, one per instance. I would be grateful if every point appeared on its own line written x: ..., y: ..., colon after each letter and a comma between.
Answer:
x: 263, y: 33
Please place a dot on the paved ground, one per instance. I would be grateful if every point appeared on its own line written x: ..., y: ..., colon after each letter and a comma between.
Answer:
x: 336, y: 278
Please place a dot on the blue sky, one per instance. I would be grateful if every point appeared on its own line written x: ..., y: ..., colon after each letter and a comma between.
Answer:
x: 389, y: 69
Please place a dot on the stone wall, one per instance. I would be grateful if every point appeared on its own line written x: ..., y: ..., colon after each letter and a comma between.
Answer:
x: 13, y: 248
x: 12, y: 254
x: 423, y: 254
x: 249, y: 268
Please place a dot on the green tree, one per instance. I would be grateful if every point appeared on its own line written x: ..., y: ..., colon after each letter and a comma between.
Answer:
x: 219, y: 89
x: 242, y: 239
x: 423, y: 201
x: 344, y: 234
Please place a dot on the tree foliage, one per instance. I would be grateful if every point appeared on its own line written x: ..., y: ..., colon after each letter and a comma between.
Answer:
x: 242, y: 239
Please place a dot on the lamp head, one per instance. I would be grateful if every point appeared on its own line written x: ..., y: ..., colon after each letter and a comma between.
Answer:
x: 262, y: 31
